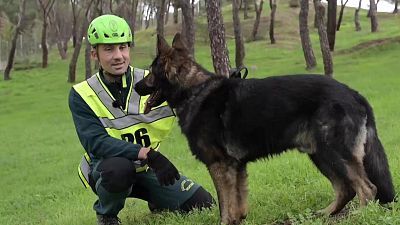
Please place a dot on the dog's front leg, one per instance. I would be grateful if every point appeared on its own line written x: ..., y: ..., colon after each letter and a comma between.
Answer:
x: 225, y: 180
x: 242, y: 191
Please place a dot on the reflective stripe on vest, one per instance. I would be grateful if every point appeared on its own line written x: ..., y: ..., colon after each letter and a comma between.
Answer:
x: 128, y: 123
x: 84, y: 170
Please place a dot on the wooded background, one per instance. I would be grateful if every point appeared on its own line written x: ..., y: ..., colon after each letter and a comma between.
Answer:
x: 31, y: 27
x: 40, y: 151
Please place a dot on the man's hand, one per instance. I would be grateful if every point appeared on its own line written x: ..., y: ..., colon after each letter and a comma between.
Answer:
x: 165, y: 171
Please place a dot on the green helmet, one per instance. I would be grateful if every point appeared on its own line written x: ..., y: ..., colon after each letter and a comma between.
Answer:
x: 109, y: 29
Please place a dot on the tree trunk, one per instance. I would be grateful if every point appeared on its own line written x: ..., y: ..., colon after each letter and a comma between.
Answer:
x: 11, y: 55
x: 357, y: 17
x: 188, y: 26
x: 99, y: 7
x: 272, y: 5
x: 342, y: 6
x: 369, y: 10
x: 152, y: 13
x: 45, y: 51
x: 201, y: 8
x: 46, y: 9
x: 239, y: 46
x: 396, y: 3
x: 60, y: 42
x: 74, y: 36
x: 141, y: 16
x: 246, y: 8
x: 331, y: 27
x: 167, y: 12
x: 133, y: 14
x: 88, y: 64
x: 61, y: 50
x: 257, y: 21
x: 305, y: 36
x: 323, y: 39
x: 160, y: 17
x: 374, y: 19
x: 75, y: 55
x: 149, y: 10
x: 216, y: 29
x: 192, y: 7
x: 316, y: 18
x: 111, y: 7
x: 74, y: 18
x: 88, y: 47
x: 65, y: 47
x: 175, y: 15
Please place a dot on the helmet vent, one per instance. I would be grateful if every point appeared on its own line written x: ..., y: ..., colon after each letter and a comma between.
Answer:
x: 123, y: 35
x: 106, y: 35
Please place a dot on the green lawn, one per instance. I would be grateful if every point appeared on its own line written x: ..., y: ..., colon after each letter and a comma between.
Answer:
x: 39, y: 150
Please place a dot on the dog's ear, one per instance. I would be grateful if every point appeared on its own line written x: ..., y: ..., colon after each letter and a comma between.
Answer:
x: 178, y: 43
x: 162, y: 45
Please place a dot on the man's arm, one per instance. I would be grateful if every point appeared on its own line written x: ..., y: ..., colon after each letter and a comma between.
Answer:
x: 93, y: 136
x: 98, y: 142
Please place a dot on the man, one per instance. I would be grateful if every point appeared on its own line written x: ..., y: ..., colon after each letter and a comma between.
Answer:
x: 119, y: 139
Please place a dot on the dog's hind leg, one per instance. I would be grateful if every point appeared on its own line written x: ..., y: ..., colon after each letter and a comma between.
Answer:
x: 343, y: 194
x: 375, y: 161
x: 334, y: 169
x: 225, y: 177
x: 340, y: 158
x: 242, y: 191
x: 365, y: 189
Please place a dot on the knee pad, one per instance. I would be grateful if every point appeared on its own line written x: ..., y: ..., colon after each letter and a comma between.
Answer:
x: 117, y: 174
x: 200, y: 199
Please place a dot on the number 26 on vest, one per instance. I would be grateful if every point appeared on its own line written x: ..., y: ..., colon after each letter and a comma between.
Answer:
x: 139, y: 137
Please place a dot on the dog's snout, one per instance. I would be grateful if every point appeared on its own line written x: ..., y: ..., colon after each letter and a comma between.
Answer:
x: 142, y: 88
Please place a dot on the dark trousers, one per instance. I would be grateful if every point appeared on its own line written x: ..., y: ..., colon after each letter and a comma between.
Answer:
x: 115, y: 179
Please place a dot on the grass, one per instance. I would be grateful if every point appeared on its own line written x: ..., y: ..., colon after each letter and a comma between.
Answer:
x: 39, y: 150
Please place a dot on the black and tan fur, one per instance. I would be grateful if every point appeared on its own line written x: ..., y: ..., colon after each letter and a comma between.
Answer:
x: 230, y: 122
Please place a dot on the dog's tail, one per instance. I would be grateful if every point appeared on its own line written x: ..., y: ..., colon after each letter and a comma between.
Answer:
x: 375, y: 161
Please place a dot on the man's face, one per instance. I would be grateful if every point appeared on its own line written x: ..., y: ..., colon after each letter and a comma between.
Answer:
x: 113, y: 58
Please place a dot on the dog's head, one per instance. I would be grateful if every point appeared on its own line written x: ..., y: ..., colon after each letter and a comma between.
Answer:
x: 172, y: 70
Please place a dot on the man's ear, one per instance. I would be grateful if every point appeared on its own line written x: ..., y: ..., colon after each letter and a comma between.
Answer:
x: 178, y: 43
x: 93, y: 54
x: 162, y: 45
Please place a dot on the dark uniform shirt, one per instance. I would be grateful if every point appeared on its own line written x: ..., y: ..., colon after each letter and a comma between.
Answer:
x: 92, y: 135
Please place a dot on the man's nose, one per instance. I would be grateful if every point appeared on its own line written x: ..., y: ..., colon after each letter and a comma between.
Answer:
x: 118, y: 53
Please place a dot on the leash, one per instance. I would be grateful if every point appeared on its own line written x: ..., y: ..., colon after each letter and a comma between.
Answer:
x: 236, y: 72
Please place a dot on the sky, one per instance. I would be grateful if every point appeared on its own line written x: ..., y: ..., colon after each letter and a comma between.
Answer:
x: 383, y: 6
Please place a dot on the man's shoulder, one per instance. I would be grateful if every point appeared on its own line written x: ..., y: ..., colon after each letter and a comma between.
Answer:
x: 84, y: 82
x: 140, y: 71
x: 80, y: 84
x: 74, y: 99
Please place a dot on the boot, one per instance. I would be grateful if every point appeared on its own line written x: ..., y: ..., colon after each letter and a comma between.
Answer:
x: 107, y: 220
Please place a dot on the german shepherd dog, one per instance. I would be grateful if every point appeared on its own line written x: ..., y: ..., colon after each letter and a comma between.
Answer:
x: 230, y: 122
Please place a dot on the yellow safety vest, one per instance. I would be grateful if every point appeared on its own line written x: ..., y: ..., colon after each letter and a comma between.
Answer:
x: 128, y: 123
